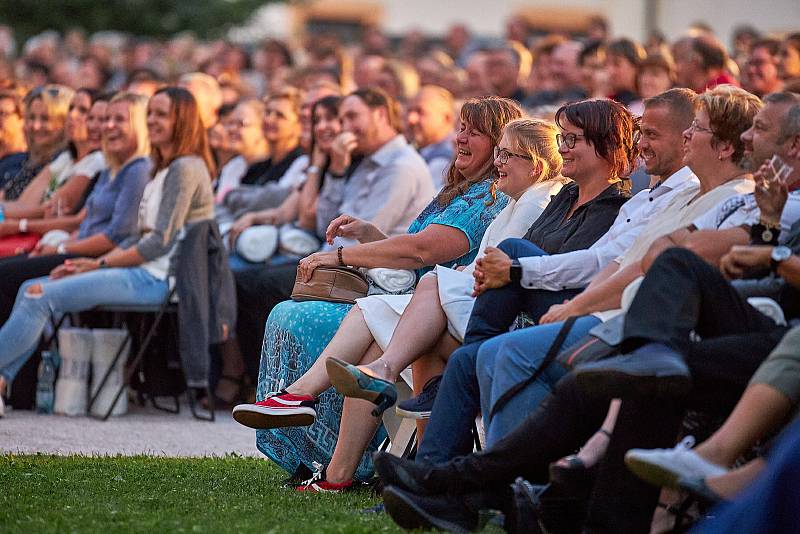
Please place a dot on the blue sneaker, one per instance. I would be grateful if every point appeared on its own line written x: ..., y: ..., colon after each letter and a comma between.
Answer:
x: 653, y: 370
x: 420, y: 407
x: 350, y: 381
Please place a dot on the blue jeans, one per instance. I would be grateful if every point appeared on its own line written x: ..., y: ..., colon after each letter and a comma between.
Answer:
x: 458, y: 401
x: 19, y: 336
x: 507, y: 360
x: 495, y: 310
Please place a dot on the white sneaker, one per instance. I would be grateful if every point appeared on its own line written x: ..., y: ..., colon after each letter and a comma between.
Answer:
x: 2, y: 406
x: 664, y: 467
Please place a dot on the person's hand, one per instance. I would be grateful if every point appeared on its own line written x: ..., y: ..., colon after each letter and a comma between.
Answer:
x: 560, y: 312
x: 350, y: 227
x: 770, y: 193
x: 43, y: 250
x: 74, y: 266
x: 743, y: 259
x: 318, y: 157
x: 493, y: 270
x: 308, y: 264
x: 342, y: 152
x: 242, y: 223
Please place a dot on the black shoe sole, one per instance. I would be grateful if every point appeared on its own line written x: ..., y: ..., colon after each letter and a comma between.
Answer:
x: 619, y: 384
x: 409, y: 516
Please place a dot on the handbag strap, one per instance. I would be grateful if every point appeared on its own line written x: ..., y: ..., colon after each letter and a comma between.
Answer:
x: 552, y: 352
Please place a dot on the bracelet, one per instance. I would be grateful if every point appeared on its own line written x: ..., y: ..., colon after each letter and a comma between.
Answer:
x: 23, y: 226
x: 61, y: 249
x: 312, y: 169
x: 605, y: 432
x: 339, y: 255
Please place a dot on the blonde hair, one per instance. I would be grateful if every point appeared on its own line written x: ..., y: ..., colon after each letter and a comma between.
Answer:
x: 730, y: 112
x: 537, y: 139
x: 56, y: 99
x: 137, y: 114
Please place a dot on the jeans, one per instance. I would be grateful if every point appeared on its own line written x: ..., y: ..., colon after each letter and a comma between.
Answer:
x: 507, y: 360
x: 458, y: 400
x: 19, y: 336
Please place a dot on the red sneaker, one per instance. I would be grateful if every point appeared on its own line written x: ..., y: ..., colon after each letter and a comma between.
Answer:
x: 278, y: 410
x: 318, y: 484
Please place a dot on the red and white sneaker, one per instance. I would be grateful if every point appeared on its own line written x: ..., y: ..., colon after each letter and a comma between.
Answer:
x: 278, y: 410
x: 318, y: 484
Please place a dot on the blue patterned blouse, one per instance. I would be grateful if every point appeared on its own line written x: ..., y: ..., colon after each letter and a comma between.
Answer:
x: 468, y: 213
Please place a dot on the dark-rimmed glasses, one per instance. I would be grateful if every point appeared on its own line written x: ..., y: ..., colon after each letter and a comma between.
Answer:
x: 568, y: 139
x: 502, y: 154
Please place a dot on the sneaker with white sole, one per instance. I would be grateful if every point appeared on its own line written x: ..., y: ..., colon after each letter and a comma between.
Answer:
x: 278, y: 410
x: 318, y: 483
x: 665, y: 467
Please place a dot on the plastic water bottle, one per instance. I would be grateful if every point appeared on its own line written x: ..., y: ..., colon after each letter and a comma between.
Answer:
x: 45, y: 385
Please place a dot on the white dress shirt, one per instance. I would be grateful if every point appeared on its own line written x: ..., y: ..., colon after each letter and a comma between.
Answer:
x: 576, y: 269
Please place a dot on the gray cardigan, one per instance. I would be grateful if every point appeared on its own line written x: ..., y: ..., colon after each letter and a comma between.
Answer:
x: 187, y: 197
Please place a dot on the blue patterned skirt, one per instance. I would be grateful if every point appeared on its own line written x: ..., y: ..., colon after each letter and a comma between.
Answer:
x: 295, y: 336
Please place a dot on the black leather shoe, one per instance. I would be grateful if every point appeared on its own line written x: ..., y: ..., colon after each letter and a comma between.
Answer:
x: 649, y: 373
x: 441, y: 512
x: 408, y: 475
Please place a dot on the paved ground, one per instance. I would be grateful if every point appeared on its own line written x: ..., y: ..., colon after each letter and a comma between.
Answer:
x: 141, y: 431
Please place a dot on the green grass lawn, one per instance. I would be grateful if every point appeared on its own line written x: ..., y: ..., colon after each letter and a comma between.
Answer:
x: 141, y: 494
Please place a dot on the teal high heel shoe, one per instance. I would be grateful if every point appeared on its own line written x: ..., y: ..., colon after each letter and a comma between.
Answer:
x: 351, y: 381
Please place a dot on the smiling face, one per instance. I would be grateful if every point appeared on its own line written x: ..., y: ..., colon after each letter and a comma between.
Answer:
x: 120, y: 138
x: 160, y: 123
x: 75, y: 126
x: 788, y: 62
x: 10, y: 123
x: 326, y: 127
x: 243, y: 127
x: 763, y: 139
x: 761, y: 72
x: 41, y: 129
x: 580, y: 162
x: 360, y: 120
x: 516, y: 175
x: 621, y: 73
x: 281, y: 123
x: 473, y: 150
x: 699, y: 153
x: 661, y: 142
x: 94, y: 123
x: 429, y: 118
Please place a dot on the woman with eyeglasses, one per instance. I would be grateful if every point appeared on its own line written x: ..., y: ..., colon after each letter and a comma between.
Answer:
x: 246, y: 139
x: 448, y: 232
x: 136, y: 270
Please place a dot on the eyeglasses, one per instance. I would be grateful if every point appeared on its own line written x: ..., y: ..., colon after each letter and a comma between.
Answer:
x: 697, y: 128
x: 502, y: 154
x: 568, y: 139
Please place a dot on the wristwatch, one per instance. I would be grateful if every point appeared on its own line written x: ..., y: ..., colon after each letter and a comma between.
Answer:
x: 778, y: 256
x: 515, y: 271
x: 103, y: 264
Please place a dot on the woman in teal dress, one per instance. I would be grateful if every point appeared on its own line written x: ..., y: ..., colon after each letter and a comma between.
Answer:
x: 293, y: 392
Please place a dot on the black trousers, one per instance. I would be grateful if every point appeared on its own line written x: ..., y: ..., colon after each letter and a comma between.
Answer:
x: 14, y: 271
x: 680, y: 293
x: 257, y: 292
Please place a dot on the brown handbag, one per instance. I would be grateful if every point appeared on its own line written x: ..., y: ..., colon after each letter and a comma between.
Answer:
x: 332, y: 284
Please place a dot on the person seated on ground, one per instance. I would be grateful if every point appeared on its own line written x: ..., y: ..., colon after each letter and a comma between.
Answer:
x: 109, y: 216
x: 45, y: 113
x: 485, y: 370
x: 12, y: 134
x: 373, y: 175
x: 447, y: 231
x: 135, y: 272
x: 60, y: 189
x: 430, y: 123
x: 681, y: 293
x: 301, y: 212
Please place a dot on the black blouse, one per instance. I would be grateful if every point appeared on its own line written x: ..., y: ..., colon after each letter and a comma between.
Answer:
x: 555, y: 234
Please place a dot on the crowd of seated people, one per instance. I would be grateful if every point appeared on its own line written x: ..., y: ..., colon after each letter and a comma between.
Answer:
x: 589, y: 246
